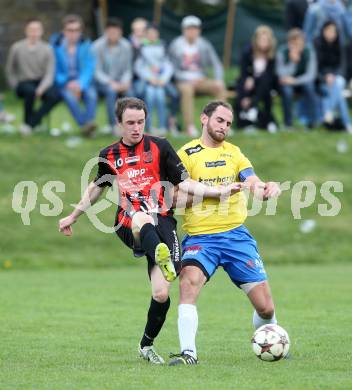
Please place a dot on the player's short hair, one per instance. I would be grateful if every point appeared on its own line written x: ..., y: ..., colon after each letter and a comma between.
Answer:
x: 209, y: 109
x: 72, y: 18
x: 129, y: 102
x: 114, y: 22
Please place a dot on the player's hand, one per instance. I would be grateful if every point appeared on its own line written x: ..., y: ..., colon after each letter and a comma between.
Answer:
x: 287, y: 80
x: 75, y: 88
x: 258, y: 189
x: 235, y: 187
x: 114, y: 85
x: 38, y: 93
x: 249, y: 83
x: 271, y: 190
x: 230, y: 189
x: 246, y: 103
x: 330, y: 79
x: 65, y: 225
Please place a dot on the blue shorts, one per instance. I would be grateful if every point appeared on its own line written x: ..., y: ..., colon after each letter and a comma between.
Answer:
x: 235, y: 250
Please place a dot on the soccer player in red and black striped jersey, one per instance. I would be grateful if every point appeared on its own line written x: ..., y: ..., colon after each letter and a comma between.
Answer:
x: 144, y: 168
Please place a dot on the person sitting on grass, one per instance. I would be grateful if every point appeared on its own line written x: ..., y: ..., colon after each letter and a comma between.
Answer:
x: 193, y: 56
x: 330, y: 76
x: 154, y: 68
x: 30, y: 72
x: 296, y: 68
x: 75, y: 65
x: 113, y: 73
x: 256, y: 81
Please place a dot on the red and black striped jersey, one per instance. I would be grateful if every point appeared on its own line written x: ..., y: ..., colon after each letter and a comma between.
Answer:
x: 143, y: 173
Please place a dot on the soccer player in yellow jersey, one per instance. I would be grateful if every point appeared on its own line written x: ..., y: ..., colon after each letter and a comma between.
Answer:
x: 216, y: 235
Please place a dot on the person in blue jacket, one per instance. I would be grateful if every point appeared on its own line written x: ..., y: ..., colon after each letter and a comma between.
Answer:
x: 75, y: 66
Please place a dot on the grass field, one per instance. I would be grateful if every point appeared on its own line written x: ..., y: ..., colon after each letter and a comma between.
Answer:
x: 281, y: 157
x: 80, y: 329
x: 72, y: 310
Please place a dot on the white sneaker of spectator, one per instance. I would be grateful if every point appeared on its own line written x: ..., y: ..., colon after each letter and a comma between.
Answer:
x: 25, y: 129
x: 250, y: 130
x: 158, y: 132
x: 231, y: 132
x: 192, y: 131
x: 162, y: 132
x: 349, y: 128
x: 272, y: 128
x: 252, y: 114
x: 329, y: 117
x: 6, y: 117
x: 173, y: 130
x: 116, y: 131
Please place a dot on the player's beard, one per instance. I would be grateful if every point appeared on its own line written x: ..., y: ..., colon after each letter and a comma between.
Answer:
x: 216, y: 136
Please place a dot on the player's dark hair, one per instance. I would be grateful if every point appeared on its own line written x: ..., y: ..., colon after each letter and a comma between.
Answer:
x: 72, y: 18
x: 209, y: 109
x: 114, y: 22
x: 129, y: 102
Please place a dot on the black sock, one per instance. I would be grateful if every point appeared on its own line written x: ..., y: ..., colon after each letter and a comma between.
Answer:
x: 156, y: 318
x: 149, y: 239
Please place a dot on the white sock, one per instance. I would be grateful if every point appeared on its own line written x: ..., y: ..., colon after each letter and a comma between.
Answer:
x: 259, y: 321
x: 187, y: 328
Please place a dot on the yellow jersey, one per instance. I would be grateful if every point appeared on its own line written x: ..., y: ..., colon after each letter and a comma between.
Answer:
x: 214, y: 166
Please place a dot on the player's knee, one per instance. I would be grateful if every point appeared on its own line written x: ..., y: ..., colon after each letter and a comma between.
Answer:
x: 161, y: 295
x: 266, y: 311
x: 190, y: 281
x: 139, y: 220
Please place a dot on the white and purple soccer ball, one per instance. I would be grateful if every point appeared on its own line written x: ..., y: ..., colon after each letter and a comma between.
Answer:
x: 270, y: 343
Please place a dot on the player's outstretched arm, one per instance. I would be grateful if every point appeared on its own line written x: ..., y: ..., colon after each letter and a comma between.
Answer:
x: 261, y: 189
x: 90, y: 196
x: 197, y: 189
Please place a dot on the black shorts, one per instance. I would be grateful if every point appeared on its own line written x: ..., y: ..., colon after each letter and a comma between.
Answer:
x: 166, y: 229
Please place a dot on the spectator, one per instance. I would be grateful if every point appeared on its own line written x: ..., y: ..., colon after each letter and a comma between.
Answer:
x: 348, y: 53
x: 348, y: 17
x: 322, y: 11
x: 113, y: 73
x: 192, y: 55
x: 295, y: 11
x: 257, y: 80
x: 155, y: 69
x: 30, y: 72
x: 75, y: 65
x: 330, y: 75
x: 296, y: 69
x: 138, y: 34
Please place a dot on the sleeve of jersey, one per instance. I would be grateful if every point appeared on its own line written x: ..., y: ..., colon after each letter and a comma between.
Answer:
x: 175, y: 168
x: 104, y: 175
x: 245, y: 168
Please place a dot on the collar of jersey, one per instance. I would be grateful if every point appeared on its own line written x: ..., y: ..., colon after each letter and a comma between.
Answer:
x: 209, y: 147
x: 132, y: 146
